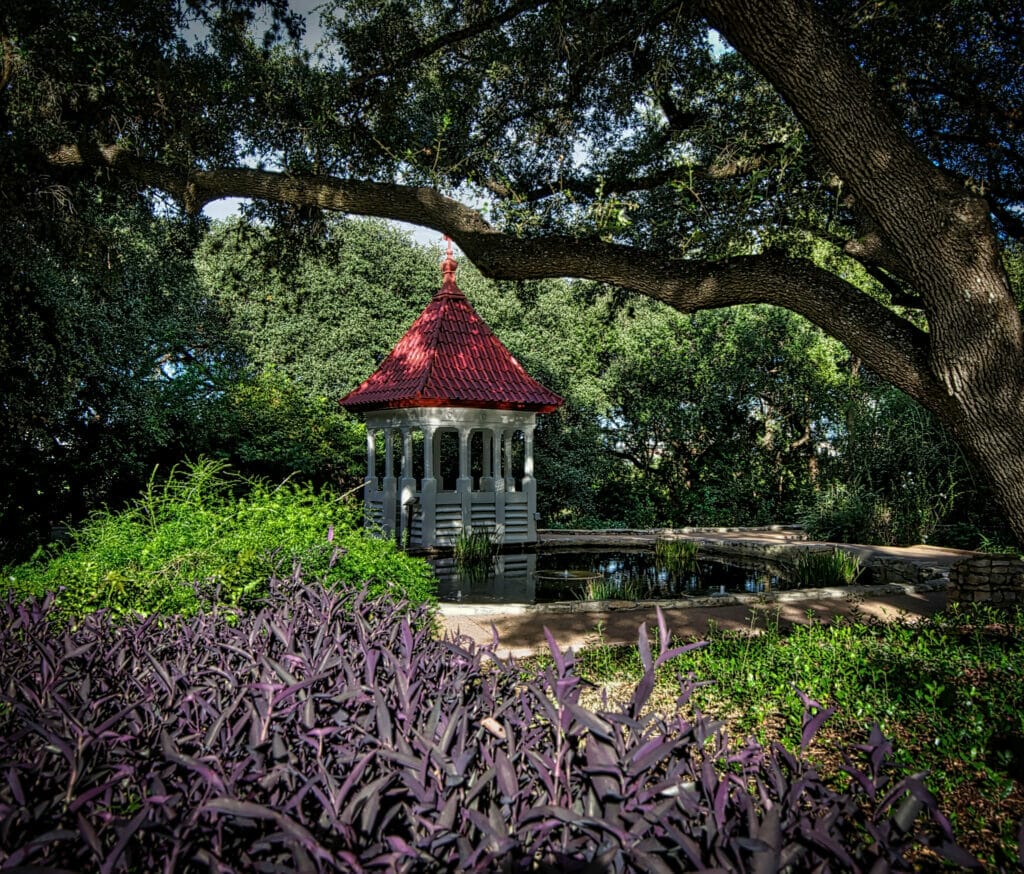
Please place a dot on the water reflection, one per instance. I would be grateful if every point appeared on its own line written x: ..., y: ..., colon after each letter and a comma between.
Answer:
x: 527, y: 578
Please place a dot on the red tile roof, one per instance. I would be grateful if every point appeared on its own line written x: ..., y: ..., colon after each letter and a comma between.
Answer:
x: 450, y: 358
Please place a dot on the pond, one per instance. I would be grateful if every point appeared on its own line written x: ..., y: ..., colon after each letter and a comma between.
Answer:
x: 544, y: 577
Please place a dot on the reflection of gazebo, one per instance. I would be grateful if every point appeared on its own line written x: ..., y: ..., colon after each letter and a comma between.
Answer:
x: 450, y: 416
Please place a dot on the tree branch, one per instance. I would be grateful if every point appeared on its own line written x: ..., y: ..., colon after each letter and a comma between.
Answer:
x: 909, y: 200
x: 892, y: 346
x: 1011, y: 222
x: 899, y: 293
x: 592, y: 186
x: 453, y: 38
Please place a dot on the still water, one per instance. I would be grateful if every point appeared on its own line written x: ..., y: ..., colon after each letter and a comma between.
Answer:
x: 539, y: 577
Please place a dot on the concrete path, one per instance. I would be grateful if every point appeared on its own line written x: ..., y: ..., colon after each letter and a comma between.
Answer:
x: 521, y: 633
x: 520, y: 627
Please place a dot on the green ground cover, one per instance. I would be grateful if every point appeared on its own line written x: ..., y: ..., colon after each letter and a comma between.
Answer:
x: 947, y: 690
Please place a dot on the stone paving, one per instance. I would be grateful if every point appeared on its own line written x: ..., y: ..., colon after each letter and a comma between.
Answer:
x: 921, y: 577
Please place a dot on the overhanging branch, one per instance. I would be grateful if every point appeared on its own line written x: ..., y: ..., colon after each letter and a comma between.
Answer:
x: 892, y: 346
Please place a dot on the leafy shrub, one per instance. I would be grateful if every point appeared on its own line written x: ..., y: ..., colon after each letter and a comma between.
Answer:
x: 846, y: 514
x: 855, y: 514
x: 227, y: 533
x: 821, y: 567
x: 332, y: 732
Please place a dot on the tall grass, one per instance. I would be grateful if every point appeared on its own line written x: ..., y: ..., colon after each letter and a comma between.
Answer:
x: 604, y: 589
x: 476, y: 549
x: 835, y: 567
x: 678, y: 557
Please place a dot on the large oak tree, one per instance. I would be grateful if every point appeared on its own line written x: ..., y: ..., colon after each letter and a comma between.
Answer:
x: 695, y: 152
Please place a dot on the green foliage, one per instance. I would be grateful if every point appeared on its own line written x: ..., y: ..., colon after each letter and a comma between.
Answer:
x: 820, y: 567
x: 846, y: 514
x: 321, y: 308
x: 713, y: 418
x: 717, y: 417
x: 269, y: 425
x: 205, y: 534
x: 896, y: 475
x: 108, y: 355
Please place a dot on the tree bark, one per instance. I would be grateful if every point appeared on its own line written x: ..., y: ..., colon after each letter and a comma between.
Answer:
x: 934, y: 233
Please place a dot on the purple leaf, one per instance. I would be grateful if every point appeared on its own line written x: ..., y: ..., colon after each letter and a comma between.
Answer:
x: 812, y: 724
x: 644, y: 645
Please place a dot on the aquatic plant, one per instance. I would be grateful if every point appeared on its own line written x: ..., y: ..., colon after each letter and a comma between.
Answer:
x: 678, y: 557
x: 835, y: 567
x: 476, y: 549
x: 609, y: 589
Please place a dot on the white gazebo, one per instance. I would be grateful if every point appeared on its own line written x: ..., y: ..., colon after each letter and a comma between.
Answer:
x: 450, y: 416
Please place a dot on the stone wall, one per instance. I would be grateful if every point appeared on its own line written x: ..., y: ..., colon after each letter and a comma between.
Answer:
x: 995, y: 579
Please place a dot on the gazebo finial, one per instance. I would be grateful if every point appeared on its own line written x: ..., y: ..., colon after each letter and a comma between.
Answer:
x: 448, y: 268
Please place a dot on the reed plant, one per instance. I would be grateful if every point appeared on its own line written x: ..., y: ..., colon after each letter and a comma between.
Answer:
x: 835, y: 567
x: 476, y: 549
x: 608, y: 589
x: 678, y: 557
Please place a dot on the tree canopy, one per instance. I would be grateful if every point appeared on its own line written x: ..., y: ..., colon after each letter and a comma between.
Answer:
x: 697, y: 153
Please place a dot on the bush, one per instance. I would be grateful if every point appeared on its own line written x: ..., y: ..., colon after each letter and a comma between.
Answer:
x: 205, y: 534
x: 855, y: 514
x: 332, y: 732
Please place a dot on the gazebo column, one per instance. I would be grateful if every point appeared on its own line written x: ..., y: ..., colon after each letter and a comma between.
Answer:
x: 389, y: 484
x: 407, y: 488
x: 488, y: 476
x: 510, y: 475
x: 500, y: 463
x: 371, y: 464
x: 464, y: 484
x: 529, y: 485
x: 428, y: 489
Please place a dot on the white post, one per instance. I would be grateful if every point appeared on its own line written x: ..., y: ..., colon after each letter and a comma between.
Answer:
x: 510, y: 474
x: 407, y: 487
x: 529, y: 485
x: 500, y: 483
x: 464, y: 486
x: 371, y: 456
x: 499, y: 473
x: 487, y: 476
x: 428, y: 489
x: 389, y: 484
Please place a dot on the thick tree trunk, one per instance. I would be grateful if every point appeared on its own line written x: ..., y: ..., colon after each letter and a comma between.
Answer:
x: 993, y: 437
x: 921, y: 225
